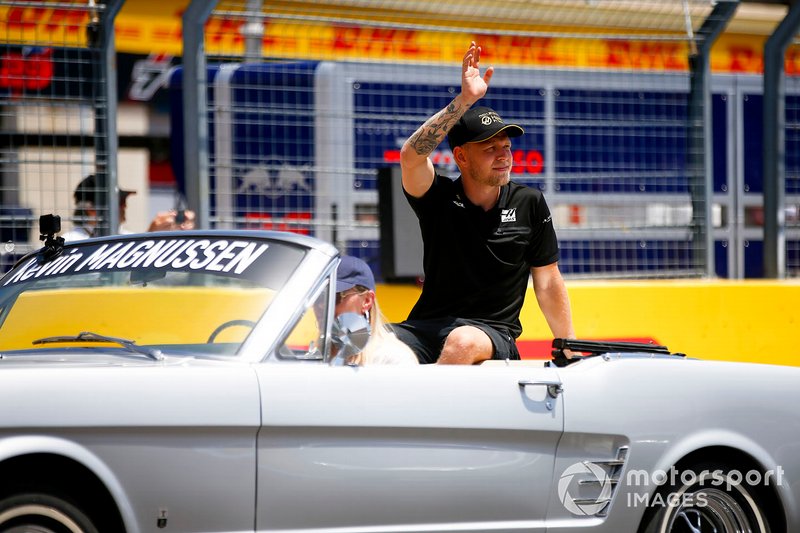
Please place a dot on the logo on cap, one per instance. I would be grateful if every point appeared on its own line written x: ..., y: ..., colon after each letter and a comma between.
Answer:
x: 488, y: 118
x: 479, y: 124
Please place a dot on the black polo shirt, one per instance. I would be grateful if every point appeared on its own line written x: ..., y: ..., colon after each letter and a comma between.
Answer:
x: 477, y: 262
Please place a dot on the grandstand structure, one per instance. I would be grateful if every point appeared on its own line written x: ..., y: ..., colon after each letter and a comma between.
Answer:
x: 664, y: 134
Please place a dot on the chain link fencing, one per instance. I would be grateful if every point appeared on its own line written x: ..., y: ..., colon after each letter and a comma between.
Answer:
x: 56, y: 117
x: 308, y: 104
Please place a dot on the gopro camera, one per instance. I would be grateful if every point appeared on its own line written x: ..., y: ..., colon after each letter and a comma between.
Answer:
x: 49, y: 225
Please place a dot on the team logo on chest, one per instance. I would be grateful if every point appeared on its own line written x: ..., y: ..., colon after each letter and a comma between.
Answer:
x: 508, y: 215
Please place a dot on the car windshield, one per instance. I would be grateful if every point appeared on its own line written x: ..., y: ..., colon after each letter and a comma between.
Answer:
x: 173, y: 293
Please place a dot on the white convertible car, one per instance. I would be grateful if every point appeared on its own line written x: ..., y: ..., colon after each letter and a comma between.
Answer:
x: 183, y: 382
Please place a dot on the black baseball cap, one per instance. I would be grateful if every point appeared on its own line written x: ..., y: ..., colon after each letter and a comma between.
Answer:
x: 87, y: 189
x: 478, y: 124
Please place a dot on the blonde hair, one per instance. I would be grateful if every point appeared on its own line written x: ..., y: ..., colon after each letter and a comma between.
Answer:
x: 383, y: 347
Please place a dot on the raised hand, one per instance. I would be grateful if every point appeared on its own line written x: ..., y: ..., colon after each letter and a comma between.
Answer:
x: 168, y: 221
x: 473, y: 85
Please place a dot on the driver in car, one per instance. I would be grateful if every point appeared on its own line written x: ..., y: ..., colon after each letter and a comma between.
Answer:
x: 355, y: 293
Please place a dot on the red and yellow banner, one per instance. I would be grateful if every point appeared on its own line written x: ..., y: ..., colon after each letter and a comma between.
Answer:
x: 150, y: 26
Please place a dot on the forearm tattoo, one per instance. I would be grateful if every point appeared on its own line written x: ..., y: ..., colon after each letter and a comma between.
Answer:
x: 433, y: 132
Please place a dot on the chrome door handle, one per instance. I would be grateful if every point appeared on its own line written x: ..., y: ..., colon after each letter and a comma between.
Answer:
x: 554, y: 388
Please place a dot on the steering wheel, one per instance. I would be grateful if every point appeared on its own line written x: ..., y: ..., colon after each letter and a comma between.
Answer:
x: 229, y: 324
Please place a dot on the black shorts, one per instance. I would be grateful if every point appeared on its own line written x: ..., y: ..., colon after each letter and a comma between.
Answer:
x: 426, y: 337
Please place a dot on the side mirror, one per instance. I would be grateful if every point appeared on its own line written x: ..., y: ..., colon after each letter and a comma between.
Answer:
x: 350, y: 334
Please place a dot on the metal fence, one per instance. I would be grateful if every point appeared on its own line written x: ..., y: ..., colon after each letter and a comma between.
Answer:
x: 307, y: 102
x: 791, y: 147
x: 57, y: 114
x: 284, y: 113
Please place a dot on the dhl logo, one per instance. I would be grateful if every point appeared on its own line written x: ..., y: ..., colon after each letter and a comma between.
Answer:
x: 161, y: 32
x: 378, y: 41
x: 35, y: 24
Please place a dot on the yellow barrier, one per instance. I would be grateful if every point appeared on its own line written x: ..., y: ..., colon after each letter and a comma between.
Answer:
x: 756, y: 321
x: 753, y: 321
x: 152, y: 316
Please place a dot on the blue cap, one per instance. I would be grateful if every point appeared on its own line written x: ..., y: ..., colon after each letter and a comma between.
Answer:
x: 353, y: 271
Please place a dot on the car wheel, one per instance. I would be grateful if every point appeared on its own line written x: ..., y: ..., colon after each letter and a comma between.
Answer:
x: 706, y: 500
x: 42, y: 513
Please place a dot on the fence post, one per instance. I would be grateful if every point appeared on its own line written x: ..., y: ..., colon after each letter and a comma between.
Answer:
x: 253, y: 30
x: 195, y: 112
x: 100, y: 36
x: 701, y: 147
x: 774, y: 144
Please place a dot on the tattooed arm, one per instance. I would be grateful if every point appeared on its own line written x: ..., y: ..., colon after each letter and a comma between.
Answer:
x: 417, y: 168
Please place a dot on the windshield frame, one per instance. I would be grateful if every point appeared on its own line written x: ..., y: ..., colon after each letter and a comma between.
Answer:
x: 316, y: 261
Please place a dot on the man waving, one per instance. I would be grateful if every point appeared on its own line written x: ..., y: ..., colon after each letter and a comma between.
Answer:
x: 483, y: 236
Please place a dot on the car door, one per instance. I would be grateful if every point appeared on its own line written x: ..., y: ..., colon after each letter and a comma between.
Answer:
x: 418, y: 448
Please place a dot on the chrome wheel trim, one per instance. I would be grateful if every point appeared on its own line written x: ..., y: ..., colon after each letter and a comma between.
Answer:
x: 34, y: 509
x: 721, y: 512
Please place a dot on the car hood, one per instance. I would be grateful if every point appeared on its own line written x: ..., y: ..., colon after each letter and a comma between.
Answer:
x: 94, y: 357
